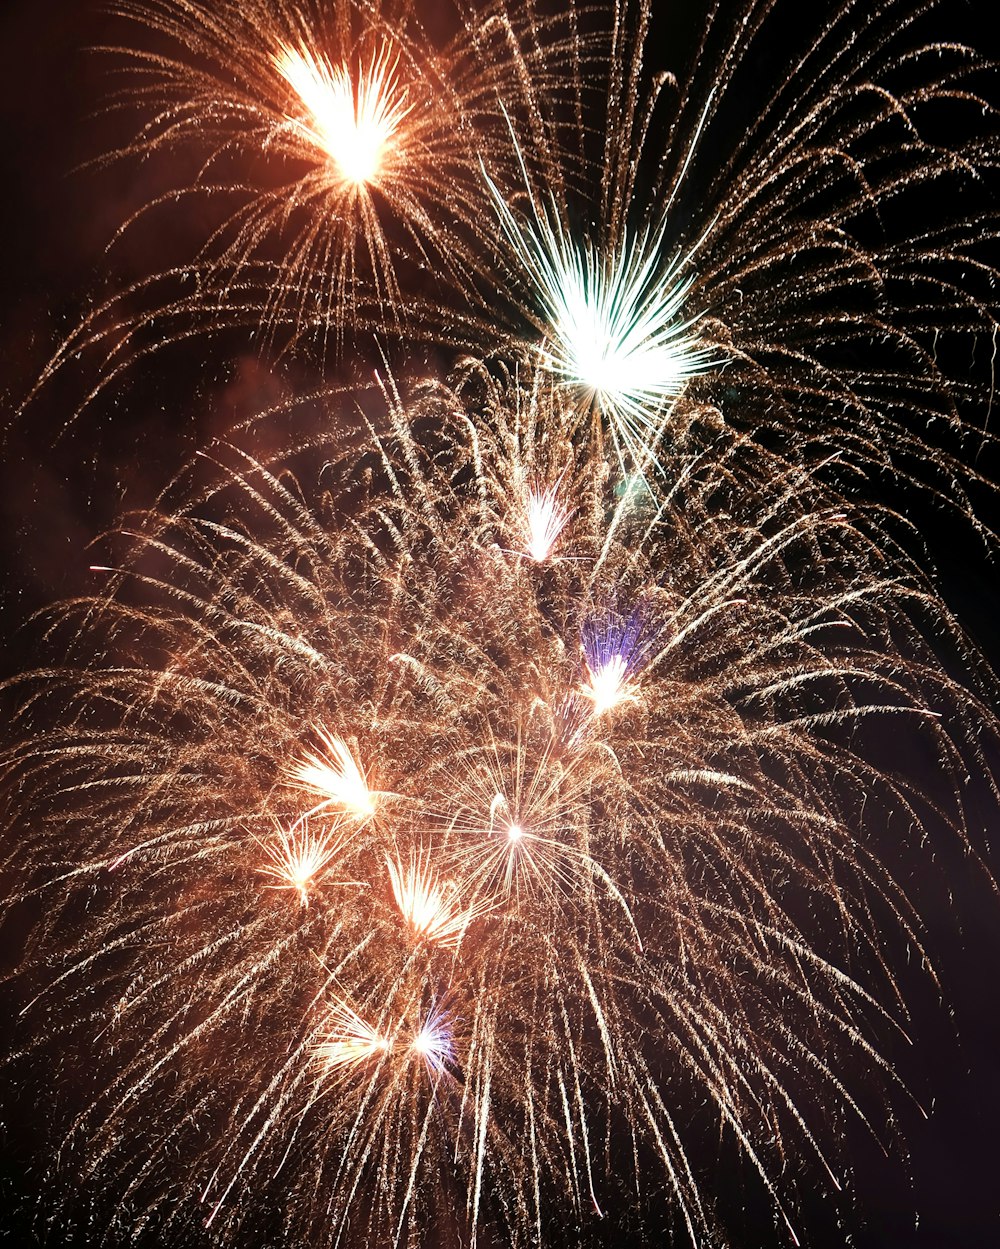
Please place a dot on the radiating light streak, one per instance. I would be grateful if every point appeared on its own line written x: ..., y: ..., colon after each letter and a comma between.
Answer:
x: 607, y: 685
x: 515, y: 834
x: 617, y: 328
x: 433, y: 1041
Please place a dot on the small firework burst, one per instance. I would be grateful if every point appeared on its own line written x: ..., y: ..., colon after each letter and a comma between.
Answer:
x: 613, y: 651
x: 431, y: 908
x: 352, y: 119
x: 334, y: 776
x: 433, y: 1041
x: 348, y: 1041
x: 544, y: 520
x: 297, y: 857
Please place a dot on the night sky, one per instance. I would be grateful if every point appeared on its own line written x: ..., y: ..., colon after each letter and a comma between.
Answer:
x: 60, y: 486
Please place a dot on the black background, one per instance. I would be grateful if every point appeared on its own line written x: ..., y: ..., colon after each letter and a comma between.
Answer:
x: 59, y: 487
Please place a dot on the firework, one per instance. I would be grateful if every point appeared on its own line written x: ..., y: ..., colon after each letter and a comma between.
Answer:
x: 613, y: 652
x: 353, y: 124
x: 460, y: 799
x: 348, y: 1041
x: 297, y: 857
x: 537, y: 198
x: 430, y: 907
x: 346, y: 145
x: 574, y: 907
x: 335, y: 777
x: 544, y: 520
x: 615, y: 327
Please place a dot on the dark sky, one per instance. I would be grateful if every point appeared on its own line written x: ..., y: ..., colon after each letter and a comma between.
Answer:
x: 59, y: 487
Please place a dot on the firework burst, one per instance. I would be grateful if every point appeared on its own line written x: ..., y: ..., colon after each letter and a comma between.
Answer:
x: 344, y: 147
x: 656, y: 251
x: 615, y: 328
x: 335, y: 777
x: 544, y: 520
x: 430, y: 907
x: 581, y: 913
x: 297, y: 857
x: 348, y: 1041
x: 463, y: 797
x: 351, y: 121
x: 613, y: 652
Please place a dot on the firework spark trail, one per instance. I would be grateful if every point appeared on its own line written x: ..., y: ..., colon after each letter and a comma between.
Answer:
x: 544, y: 520
x: 626, y: 930
x: 298, y: 856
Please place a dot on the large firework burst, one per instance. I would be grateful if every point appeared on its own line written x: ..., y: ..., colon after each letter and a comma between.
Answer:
x: 425, y: 871
x: 458, y: 800
x: 542, y: 191
x: 338, y: 154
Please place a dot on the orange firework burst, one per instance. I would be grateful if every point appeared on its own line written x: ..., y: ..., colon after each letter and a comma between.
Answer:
x: 554, y: 931
x: 298, y: 856
x: 348, y: 1040
x: 431, y: 908
x: 347, y: 145
x: 353, y: 121
x: 482, y: 782
x: 334, y: 776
